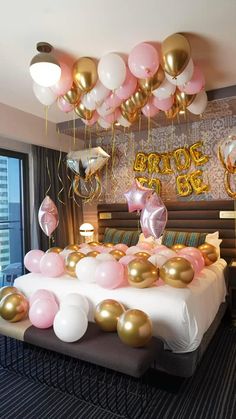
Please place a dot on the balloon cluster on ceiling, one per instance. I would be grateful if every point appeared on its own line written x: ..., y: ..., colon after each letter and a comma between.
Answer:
x: 114, y: 91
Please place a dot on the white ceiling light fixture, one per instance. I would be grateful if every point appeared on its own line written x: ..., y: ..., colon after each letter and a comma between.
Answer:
x: 44, y: 68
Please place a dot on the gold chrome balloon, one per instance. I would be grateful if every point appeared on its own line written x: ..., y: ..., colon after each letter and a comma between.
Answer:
x: 176, y: 53
x: 93, y: 253
x: 108, y: 244
x: 85, y: 73
x: 14, y: 307
x: 82, y: 112
x: 152, y: 83
x: 209, y: 253
x: 6, y: 291
x: 71, y: 261
x: 74, y: 247
x: 183, y: 100
x: 117, y: 254
x: 94, y: 244
x: 131, y: 117
x: 141, y: 273
x: 139, y: 98
x: 172, y: 112
x: 177, y: 272
x: 134, y: 328
x: 177, y: 246
x: 128, y: 107
x: 54, y: 250
x: 142, y: 255
x: 73, y: 95
x: 107, y: 313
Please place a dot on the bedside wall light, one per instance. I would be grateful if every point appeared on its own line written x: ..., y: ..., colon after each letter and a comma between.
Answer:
x: 87, y: 230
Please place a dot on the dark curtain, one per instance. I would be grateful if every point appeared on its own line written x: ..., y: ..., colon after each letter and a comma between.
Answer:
x: 70, y: 214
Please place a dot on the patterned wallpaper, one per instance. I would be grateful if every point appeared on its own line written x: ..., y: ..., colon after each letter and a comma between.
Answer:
x: 214, y: 126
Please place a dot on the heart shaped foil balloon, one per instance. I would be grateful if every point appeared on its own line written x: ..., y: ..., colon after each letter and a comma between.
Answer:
x: 86, y: 163
x: 153, y: 217
x: 48, y: 216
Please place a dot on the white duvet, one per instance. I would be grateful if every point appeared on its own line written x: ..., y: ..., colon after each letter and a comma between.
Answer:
x: 180, y: 316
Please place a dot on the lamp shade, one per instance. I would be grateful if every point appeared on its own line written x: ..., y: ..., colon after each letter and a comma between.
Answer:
x: 86, y: 230
x: 44, y: 68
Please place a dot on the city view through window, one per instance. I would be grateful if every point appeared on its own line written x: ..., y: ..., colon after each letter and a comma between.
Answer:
x: 11, y: 228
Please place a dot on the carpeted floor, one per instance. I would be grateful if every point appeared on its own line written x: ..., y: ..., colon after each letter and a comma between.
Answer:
x: 209, y: 394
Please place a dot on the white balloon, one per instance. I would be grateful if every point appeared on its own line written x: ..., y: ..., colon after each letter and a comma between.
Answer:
x: 168, y: 253
x: 123, y: 122
x: 157, y: 259
x: 88, y: 102
x: 112, y: 71
x: 70, y: 323
x: 133, y: 249
x: 85, y: 250
x: 165, y: 90
x: 183, y: 77
x: 44, y: 94
x: 74, y: 299
x: 104, y: 124
x: 65, y: 253
x: 199, y: 104
x: 104, y: 257
x: 85, y: 269
x: 104, y: 110
x: 99, y: 93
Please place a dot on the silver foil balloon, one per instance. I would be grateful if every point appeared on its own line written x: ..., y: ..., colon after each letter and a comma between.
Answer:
x: 153, y: 217
x: 227, y: 153
x: 86, y: 163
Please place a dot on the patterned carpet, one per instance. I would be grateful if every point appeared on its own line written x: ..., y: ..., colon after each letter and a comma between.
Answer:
x: 210, y: 394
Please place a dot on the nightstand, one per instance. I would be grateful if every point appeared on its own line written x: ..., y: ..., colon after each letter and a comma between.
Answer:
x: 232, y: 289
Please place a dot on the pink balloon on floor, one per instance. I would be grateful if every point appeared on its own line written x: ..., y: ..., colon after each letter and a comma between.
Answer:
x: 42, y: 313
x: 42, y: 294
x: 158, y: 249
x: 196, y: 84
x: 163, y: 104
x: 195, y: 254
x: 52, y: 265
x: 145, y: 246
x: 121, y: 246
x: 128, y: 87
x: 32, y: 260
x: 109, y: 274
x: 132, y: 250
x: 126, y: 259
x: 65, y: 82
x: 169, y: 253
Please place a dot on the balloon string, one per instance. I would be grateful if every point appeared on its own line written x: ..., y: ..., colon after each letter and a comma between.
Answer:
x: 49, y: 176
x: 139, y: 122
x: 90, y: 137
x: 149, y: 131
x: 46, y: 120
x: 112, y: 150
x: 60, y: 180
x: 71, y: 183
x: 85, y: 134
x: 74, y: 128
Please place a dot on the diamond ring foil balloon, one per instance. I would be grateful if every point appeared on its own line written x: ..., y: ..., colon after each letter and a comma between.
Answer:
x: 48, y: 216
x: 227, y: 153
x: 86, y: 163
x: 153, y: 217
x: 137, y: 195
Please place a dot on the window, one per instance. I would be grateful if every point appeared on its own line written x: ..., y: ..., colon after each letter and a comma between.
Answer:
x: 14, y: 210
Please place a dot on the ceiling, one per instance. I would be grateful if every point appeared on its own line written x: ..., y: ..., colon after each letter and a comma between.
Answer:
x: 92, y: 28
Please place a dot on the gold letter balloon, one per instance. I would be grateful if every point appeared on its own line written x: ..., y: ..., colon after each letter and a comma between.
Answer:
x: 107, y: 314
x: 177, y: 272
x: 14, y: 307
x: 134, y: 328
x: 141, y: 273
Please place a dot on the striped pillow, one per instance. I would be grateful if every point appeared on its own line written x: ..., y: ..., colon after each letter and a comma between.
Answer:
x: 112, y: 235
x: 192, y: 239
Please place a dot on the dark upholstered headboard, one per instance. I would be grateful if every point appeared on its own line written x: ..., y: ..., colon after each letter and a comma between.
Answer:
x: 201, y: 216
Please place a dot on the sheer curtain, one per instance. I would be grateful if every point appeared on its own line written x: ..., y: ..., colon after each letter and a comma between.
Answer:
x: 47, y: 171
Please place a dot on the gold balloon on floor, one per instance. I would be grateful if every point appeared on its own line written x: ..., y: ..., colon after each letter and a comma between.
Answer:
x: 139, y: 99
x: 54, y: 250
x: 94, y: 244
x: 74, y: 247
x: 177, y: 246
x: 107, y: 314
x: 209, y: 253
x: 6, y: 291
x: 128, y: 107
x: 82, y: 112
x: 176, y: 53
x: 142, y: 255
x: 117, y: 254
x: 134, y: 328
x: 14, y: 307
x: 141, y: 273
x: 73, y: 95
x: 152, y: 83
x: 108, y: 244
x: 177, y: 272
x: 71, y: 261
x: 183, y: 100
x: 85, y: 73
x: 93, y: 253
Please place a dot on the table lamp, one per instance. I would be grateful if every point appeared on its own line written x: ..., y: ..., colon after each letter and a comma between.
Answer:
x: 87, y: 230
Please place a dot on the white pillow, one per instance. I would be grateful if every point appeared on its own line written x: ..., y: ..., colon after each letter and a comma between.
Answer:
x: 213, y: 238
x: 150, y: 239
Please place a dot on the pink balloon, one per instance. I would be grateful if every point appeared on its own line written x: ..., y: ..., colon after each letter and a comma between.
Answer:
x: 169, y: 253
x: 158, y: 259
x: 52, y: 265
x: 91, y: 121
x: 48, y: 216
x: 109, y: 274
x: 65, y: 82
x: 42, y: 313
x: 40, y: 295
x: 153, y: 217
x: 121, y: 246
x: 112, y: 117
x: 145, y: 246
x: 150, y: 110
x: 63, y: 105
x: 128, y: 87
x: 195, y: 254
x: 113, y: 101
x: 163, y: 104
x: 158, y: 249
x: 143, y: 61
x: 137, y: 195
x: 132, y: 250
x: 196, y: 84
x: 126, y: 259
x: 32, y: 260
